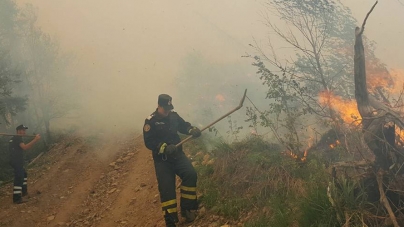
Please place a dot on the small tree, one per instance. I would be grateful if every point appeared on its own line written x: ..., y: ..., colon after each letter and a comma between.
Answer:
x: 10, y: 103
x: 45, y: 79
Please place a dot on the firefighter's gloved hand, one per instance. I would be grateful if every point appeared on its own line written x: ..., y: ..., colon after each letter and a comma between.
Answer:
x: 162, y: 148
x: 195, y: 132
x: 170, y: 149
x: 167, y: 149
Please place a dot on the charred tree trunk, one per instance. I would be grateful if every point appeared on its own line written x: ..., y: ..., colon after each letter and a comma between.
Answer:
x: 378, y: 120
x: 378, y: 123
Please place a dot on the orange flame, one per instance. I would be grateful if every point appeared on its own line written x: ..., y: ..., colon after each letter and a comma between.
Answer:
x: 347, y: 109
x: 400, y: 136
x: 334, y: 145
x: 303, y: 159
x: 398, y: 76
x: 305, y: 153
x: 392, y: 82
x: 377, y: 75
x: 295, y: 156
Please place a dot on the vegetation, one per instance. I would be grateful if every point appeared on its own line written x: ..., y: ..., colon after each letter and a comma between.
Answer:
x: 255, y: 182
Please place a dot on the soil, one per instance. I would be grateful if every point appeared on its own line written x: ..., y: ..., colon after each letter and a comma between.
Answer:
x: 91, y: 182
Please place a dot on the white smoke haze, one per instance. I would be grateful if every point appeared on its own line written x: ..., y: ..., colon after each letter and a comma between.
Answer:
x: 127, y: 52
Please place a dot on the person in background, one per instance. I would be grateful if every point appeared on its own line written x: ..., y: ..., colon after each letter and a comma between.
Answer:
x: 17, y: 148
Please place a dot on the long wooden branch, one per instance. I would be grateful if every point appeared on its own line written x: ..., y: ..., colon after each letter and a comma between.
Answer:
x: 384, y: 200
x: 353, y: 164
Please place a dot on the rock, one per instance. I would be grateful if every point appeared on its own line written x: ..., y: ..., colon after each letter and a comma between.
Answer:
x: 126, y: 158
x: 113, y: 172
x: 137, y: 189
x: 156, y: 195
x: 112, y: 164
x: 50, y: 218
x: 225, y: 225
x: 111, y: 191
x: 210, y: 162
x: 116, y: 167
x: 143, y: 184
x: 119, y: 160
x: 195, y: 163
x: 114, y: 184
x: 155, y: 201
x: 61, y: 223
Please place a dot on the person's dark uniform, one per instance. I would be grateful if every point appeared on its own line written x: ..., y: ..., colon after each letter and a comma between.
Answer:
x: 160, y: 136
x: 17, y: 162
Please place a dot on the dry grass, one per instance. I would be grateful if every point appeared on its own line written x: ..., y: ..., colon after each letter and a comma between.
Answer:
x: 254, y: 175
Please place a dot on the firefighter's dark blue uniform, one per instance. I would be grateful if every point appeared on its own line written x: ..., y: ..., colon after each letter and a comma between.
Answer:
x: 17, y: 162
x: 158, y: 130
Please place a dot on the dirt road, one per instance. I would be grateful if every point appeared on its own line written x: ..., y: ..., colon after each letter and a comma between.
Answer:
x: 86, y: 183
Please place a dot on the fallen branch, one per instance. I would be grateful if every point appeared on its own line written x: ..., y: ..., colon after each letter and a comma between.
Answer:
x: 363, y: 163
x: 384, y: 200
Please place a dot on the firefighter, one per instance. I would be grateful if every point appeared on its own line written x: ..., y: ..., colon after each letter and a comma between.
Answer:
x: 16, y: 148
x: 160, y: 133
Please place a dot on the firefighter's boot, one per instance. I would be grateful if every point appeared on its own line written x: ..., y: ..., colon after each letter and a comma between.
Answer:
x: 188, y: 215
x: 170, y: 222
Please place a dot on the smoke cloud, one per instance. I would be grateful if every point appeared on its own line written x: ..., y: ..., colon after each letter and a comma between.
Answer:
x: 127, y: 52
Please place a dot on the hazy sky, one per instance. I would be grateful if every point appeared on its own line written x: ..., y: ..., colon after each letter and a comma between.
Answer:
x: 128, y: 51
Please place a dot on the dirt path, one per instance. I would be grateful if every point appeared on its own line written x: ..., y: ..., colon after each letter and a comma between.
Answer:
x: 82, y: 182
